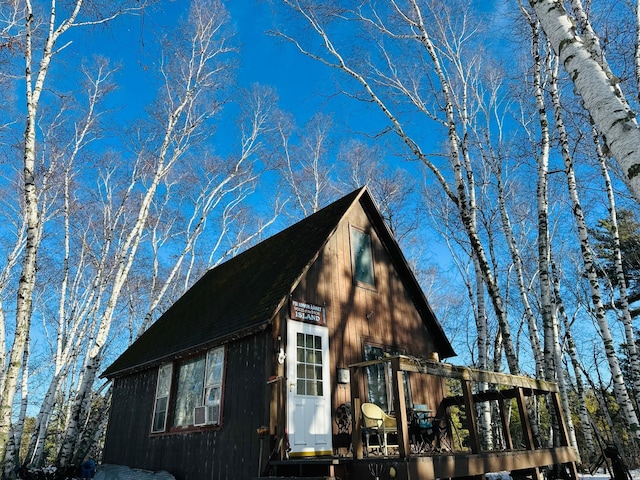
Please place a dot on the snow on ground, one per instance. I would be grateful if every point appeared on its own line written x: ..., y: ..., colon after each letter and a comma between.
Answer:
x: 635, y: 475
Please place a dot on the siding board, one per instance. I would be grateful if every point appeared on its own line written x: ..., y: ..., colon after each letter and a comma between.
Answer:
x: 394, y: 319
x: 227, y: 453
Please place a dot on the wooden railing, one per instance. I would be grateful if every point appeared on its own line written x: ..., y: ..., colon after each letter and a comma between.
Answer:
x: 504, y: 387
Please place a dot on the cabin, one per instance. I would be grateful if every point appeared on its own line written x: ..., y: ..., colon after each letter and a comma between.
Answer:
x: 314, y: 354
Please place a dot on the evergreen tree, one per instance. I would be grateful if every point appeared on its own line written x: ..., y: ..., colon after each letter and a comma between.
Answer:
x: 629, y: 234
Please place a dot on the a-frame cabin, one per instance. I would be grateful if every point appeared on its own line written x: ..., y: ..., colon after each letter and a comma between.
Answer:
x: 262, y: 366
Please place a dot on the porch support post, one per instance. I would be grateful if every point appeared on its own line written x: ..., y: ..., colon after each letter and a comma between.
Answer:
x: 400, y: 408
x: 527, y: 433
x: 356, y: 424
x: 504, y: 420
x: 470, y: 413
x: 564, y: 436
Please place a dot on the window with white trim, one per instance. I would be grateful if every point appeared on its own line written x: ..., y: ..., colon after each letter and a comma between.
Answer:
x: 161, y: 405
x: 196, y: 392
x: 213, y: 385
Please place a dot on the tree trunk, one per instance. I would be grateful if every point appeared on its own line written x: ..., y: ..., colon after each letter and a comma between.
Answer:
x: 484, y: 408
x: 619, y: 386
x: 532, y: 326
x: 32, y: 220
x: 621, y: 282
x: 598, y: 89
x: 583, y: 413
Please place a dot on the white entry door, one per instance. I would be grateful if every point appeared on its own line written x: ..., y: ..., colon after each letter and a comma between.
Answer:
x: 308, y: 386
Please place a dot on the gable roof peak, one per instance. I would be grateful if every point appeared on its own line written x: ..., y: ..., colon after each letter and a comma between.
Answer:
x: 239, y: 295
x: 243, y: 294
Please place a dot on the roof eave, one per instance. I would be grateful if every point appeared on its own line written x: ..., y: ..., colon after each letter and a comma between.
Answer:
x: 188, y: 351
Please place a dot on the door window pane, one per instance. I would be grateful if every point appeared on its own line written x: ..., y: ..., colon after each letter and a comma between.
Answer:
x: 309, y: 365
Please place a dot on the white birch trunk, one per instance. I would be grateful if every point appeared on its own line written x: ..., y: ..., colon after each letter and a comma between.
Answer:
x: 557, y: 351
x: 598, y: 89
x: 12, y: 259
x: 603, y: 403
x: 542, y: 161
x: 619, y: 387
x: 70, y: 329
x: 32, y: 221
x: 465, y: 188
x: 532, y: 325
x: 181, y: 123
x: 459, y: 193
x: 31, y: 215
x: 15, y: 438
x: 124, y: 261
x: 484, y: 408
x: 583, y: 413
x: 621, y: 282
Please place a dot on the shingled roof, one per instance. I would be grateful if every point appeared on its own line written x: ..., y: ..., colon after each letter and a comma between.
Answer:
x: 243, y: 295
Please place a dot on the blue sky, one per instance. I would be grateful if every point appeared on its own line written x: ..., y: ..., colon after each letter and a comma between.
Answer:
x: 303, y: 85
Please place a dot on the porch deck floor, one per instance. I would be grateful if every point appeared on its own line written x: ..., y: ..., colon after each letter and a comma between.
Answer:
x: 436, y: 464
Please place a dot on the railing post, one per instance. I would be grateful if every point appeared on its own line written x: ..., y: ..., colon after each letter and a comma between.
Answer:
x: 400, y: 408
x: 564, y: 436
x: 470, y: 413
x: 356, y: 424
x: 527, y: 433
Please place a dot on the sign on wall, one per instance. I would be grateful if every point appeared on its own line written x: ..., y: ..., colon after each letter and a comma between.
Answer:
x: 307, y: 312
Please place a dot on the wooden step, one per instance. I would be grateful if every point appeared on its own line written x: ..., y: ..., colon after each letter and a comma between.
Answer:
x: 294, y: 478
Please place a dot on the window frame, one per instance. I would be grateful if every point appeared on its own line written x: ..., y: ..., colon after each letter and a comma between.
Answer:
x: 386, y: 366
x: 359, y: 239
x: 166, y: 367
x: 310, y: 381
x: 204, y: 386
x: 215, y: 384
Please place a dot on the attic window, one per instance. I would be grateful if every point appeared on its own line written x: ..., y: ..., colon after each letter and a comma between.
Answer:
x: 361, y: 258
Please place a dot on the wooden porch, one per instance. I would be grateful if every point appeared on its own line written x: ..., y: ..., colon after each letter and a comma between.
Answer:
x: 408, y: 462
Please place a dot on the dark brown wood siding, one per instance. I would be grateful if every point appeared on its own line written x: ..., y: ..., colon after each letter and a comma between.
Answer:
x: 384, y: 315
x: 228, y: 452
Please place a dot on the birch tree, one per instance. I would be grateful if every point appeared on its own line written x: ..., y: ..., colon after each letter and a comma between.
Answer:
x: 580, y: 53
x: 304, y: 166
x: 394, y: 190
x: 115, y: 220
x: 572, y: 352
x: 191, y: 82
x: 619, y: 386
x: 37, y: 57
x: 623, y: 305
x: 406, y: 27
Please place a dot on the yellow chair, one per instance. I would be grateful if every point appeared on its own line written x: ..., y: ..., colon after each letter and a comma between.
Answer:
x: 375, y: 420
